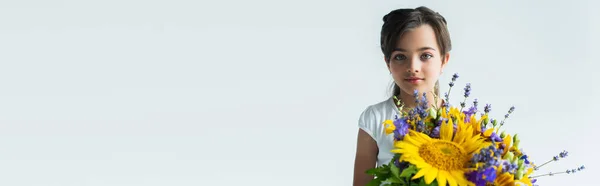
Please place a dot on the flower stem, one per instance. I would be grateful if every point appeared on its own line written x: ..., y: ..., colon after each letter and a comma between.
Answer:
x: 549, y: 174
x: 538, y: 167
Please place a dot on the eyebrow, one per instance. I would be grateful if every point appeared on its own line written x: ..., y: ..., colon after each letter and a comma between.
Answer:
x: 420, y: 49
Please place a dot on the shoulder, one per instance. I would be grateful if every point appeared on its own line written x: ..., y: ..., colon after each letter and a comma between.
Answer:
x: 371, y: 119
x: 379, y: 109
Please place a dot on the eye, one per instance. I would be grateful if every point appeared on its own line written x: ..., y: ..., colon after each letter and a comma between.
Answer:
x: 399, y: 57
x: 426, y: 56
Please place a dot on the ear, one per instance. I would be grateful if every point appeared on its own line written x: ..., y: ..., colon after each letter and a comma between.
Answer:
x: 445, y: 61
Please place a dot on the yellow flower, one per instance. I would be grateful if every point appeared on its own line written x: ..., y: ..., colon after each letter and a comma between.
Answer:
x: 389, y: 126
x: 443, y: 159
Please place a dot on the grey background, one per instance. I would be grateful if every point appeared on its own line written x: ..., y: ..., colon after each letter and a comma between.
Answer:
x: 266, y: 92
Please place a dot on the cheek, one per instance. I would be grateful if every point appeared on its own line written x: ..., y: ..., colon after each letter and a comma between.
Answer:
x: 396, y: 68
x: 432, y: 71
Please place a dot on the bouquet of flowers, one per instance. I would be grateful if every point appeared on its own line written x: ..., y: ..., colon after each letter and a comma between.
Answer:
x: 455, y: 146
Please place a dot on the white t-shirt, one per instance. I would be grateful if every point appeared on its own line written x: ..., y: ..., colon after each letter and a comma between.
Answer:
x: 371, y: 121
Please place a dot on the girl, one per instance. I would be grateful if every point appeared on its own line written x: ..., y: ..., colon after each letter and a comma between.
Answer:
x: 416, y: 45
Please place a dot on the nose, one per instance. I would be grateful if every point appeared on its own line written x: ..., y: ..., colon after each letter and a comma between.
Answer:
x: 414, y: 65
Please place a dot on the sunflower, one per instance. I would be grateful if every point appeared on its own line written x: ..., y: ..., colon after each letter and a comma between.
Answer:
x: 445, y: 159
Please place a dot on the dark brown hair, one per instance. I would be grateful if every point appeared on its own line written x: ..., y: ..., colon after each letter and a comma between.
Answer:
x: 399, y: 21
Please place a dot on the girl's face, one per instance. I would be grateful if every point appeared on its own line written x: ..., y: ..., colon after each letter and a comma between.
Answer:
x: 416, y: 62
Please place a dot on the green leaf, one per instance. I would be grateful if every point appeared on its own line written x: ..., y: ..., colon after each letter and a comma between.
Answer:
x: 374, y: 182
x: 433, y: 113
x: 379, y: 171
x: 422, y: 182
x: 395, y: 171
x: 394, y: 180
x: 409, y: 171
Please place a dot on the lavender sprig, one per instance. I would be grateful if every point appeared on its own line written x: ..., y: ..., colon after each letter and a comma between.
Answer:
x: 561, y: 155
x: 466, y: 95
x: 451, y: 84
x: 571, y: 171
x: 510, y: 111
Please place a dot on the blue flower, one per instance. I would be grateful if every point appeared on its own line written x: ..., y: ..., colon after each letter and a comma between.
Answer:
x: 524, y: 157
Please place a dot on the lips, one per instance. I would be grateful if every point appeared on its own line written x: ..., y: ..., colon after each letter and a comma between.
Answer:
x: 414, y: 80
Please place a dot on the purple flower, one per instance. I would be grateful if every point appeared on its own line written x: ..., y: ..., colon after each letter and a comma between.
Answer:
x: 401, y: 128
x: 487, y: 108
x: 399, y: 164
x: 436, y: 132
x: 509, y: 167
x: 420, y: 126
x: 475, y: 102
x: 482, y: 176
x: 424, y: 102
x: 468, y: 114
x: 454, y: 77
x: 416, y: 95
x: 563, y: 154
x: 468, y: 90
x: 494, y: 137
x: 451, y: 84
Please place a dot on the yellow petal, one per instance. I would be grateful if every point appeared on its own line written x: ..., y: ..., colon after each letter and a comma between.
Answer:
x: 461, y: 136
x: 421, y: 173
x: 507, y: 141
x: 389, y: 128
x: 451, y: 180
x: 488, y: 132
x: 460, y: 179
x: 442, y: 176
x: 430, y: 175
x: 396, y: 151
x: 388, y: 122
x: 420, y: 136
x: 419, y: 163
x: 414, y: 141
x: 446, y: 130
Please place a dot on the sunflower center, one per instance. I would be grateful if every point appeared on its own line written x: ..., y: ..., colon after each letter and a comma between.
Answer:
x: 443, y: 155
